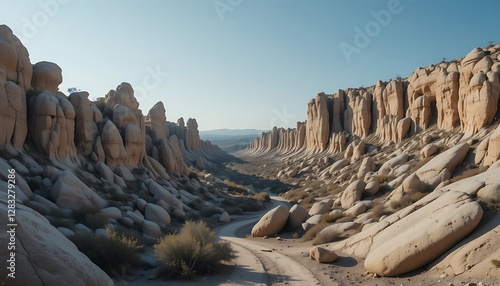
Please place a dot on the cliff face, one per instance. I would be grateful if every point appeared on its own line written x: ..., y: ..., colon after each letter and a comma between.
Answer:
x: 35, y: 113
x: 463, y: 93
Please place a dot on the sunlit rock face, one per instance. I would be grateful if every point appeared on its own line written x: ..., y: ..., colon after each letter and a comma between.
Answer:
x: 462, y: 93
x: 15, y: 79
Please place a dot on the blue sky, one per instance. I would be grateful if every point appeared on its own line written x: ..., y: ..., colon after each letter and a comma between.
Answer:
x: 244, y: 63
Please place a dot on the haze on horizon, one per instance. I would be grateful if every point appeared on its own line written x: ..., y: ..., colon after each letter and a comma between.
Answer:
x: 239, y: 63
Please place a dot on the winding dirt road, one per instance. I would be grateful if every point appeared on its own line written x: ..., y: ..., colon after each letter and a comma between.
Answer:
x: 257, y: 265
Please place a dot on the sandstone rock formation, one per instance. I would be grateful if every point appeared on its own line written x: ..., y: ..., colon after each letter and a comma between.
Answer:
x: 428, y: 232
x: 15, y: 79
x: 463, y: 92
x: 45, y: 256
x: 70, y: 192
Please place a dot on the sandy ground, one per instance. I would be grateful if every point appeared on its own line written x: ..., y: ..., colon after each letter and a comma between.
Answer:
x: 286, y: 262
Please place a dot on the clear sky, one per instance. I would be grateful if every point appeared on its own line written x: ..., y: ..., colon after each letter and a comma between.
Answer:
x: 244, y: 63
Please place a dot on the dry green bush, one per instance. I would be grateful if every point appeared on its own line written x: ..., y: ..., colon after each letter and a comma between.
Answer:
x: 208, y: 212
x: 193, y: 251
x: 193, y: 175
x: 382, y: 179
x: 407, y: 200
x: 378, y: 211
x: 496, y: 263
x: 234, y: 188
x: 419, y: 164
x: 90, y: 216
x: 468, y: 173
x: 111, y: 252
x: 331, y: 218
x: 311, y: 233
x: 262, y: 197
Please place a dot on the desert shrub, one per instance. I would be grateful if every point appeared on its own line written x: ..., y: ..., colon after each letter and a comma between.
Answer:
x: 95, y: 221
x: 331, y: 218
x: 34, y: 185
x: 61, y: 222
x: 115, y: 195
x: 90, y: 216
x: 468, y: 173
x: 378, y: 211
x: 233, y: 210
x: 80, y: 213
x: 193, y: 251
x: 407, y: 200
x: 262, y: 197
x: 419, y: 186
x: 419, y: 164
x: 234, y: 188
x: 110, y: 252
x: 381, y: 179
x: 250, y: 205
x: 311, y: 233
x: 208, y: 212
x: 496, y: 263
x: 193, y: 175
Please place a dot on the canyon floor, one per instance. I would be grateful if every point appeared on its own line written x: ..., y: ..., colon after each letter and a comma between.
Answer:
x: 284, y: 259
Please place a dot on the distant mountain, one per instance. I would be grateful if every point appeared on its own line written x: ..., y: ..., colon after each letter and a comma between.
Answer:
x: 230, y: 132
x: 231, y: 140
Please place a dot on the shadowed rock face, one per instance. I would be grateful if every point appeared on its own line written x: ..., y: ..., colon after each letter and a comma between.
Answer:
x: 45, y: 256
x: 461, y: 93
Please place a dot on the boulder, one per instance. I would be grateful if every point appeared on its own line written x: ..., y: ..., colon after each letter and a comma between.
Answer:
x: 356, y: 210
x: 151, y: 228
x: 296, y: 216
x: 225, y: 217
x: 428, y: 150
x: 372, y: 188
x: 493, y: 152
x: 157, y: 214
x: 322, y: 255
x: 352, y: 194
x: 367, y: 165
x: 112, y: 212
x: 335, y: 231
x: 45, y: 256
x: 423, y: 235
x: 271, y: 223
x: 319, y: 208
x: 445, y: 161
x: 490, y: 193
x: 70, y: 192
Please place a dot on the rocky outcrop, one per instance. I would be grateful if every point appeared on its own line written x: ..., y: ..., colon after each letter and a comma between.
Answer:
x: 463, y: 92
x: 86, y: 118
x: 423, y: 235
x: 46, y: 256
x: 317, y: 124
x: 15, y: 79
x: 69, y: 192
x: 492, y: 153
x: 51, y: 119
